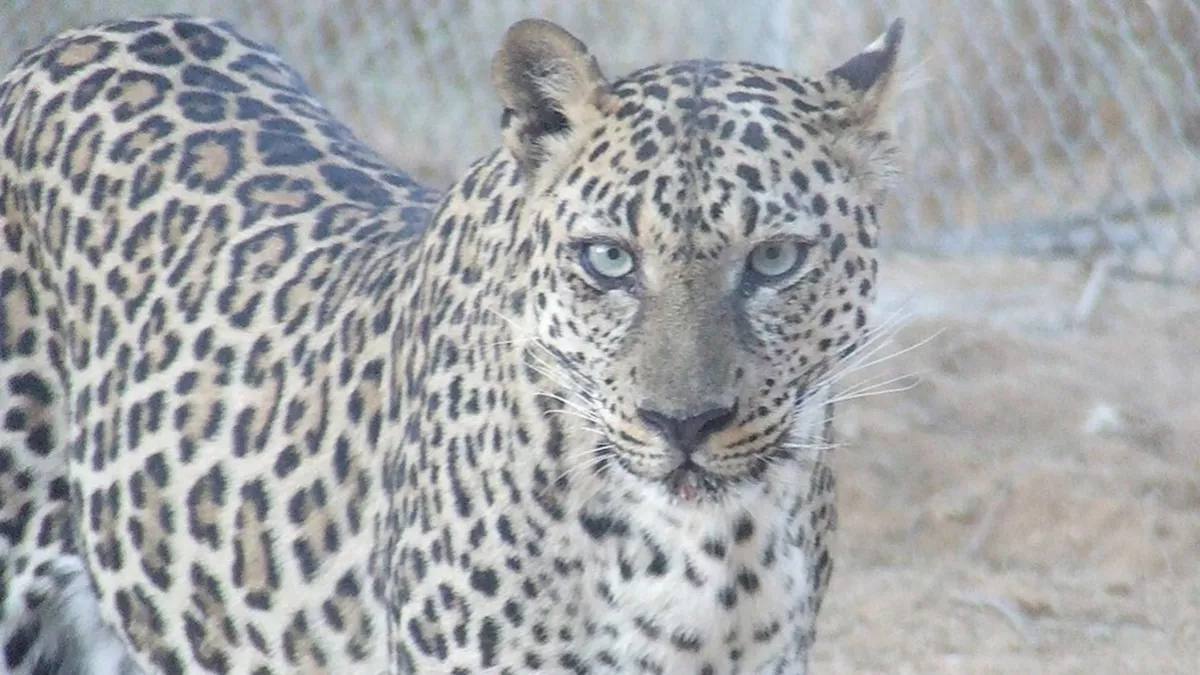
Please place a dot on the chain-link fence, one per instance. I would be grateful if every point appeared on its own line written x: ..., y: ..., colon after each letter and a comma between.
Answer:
x: 1054, y: 128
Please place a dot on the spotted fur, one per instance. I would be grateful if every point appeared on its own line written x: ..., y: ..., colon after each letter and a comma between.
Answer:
x: 270, y: 406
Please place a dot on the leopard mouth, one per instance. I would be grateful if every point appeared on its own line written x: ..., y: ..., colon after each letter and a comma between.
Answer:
x: 689, y: 482
x: 693, y: 482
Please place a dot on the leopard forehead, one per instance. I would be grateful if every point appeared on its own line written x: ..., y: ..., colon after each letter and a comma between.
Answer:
x: 698, y: 142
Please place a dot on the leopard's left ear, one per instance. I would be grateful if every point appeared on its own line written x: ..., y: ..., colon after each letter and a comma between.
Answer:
x: 864, y: 87
x: 552, y: 90
x: 869, y: 76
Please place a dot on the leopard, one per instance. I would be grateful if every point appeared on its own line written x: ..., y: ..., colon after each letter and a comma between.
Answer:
x: 272, y: 405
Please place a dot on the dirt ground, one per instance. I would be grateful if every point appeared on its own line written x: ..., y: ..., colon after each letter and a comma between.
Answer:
x: 1030, y: 503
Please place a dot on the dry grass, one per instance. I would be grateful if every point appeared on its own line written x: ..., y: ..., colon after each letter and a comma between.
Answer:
x: 1033, y: 504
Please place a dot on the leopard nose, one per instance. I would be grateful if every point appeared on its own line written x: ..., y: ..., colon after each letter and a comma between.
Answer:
x: 687, y: 434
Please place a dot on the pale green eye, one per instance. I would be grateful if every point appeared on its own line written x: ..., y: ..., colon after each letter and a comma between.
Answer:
x: 607, y: 260
x: 775, y: 258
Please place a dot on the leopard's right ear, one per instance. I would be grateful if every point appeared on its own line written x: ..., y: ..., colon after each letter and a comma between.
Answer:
x: 552, y: 90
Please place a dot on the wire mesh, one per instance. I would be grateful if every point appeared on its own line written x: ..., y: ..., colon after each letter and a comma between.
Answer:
x: 1065, y: 128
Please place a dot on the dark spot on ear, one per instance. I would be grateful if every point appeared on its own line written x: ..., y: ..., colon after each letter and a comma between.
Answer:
x: 864, y: 69
x: 539, y: 72
x: 549, y: 121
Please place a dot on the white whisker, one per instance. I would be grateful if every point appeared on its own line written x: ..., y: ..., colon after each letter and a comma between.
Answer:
x: 810, y: 445
x: 577, y: 408
x: 878, y: 338
x: 577, y: 415
x: 901, y: 352
x: 868, y: 394
x: 866, y: 387
x: 843, y: 370
x: 581, y: 465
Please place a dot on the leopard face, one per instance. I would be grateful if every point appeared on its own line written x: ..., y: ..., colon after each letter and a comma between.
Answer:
x: 706, y: 256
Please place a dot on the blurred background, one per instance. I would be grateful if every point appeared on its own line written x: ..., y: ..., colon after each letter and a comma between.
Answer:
x: 1026, y: 496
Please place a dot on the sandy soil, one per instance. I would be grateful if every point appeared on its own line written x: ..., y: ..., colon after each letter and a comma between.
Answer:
x: 1031, y: 502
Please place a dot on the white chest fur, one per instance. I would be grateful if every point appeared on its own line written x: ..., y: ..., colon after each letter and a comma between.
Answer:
x: 709, y: 588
